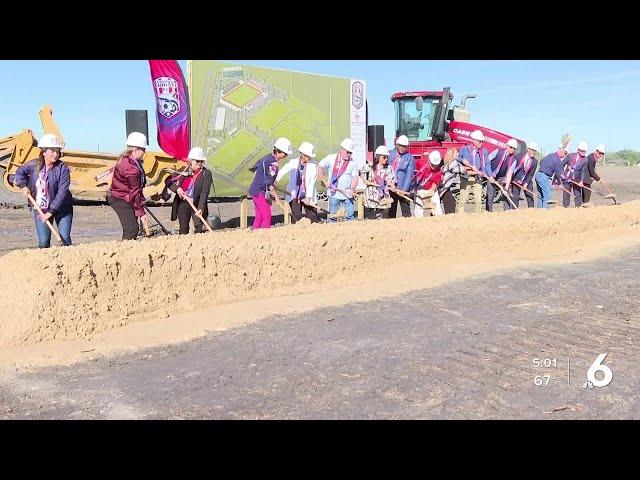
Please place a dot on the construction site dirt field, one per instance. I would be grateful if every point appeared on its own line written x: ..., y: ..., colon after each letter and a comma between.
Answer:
x: 94, y: 223
x: 407, y: 318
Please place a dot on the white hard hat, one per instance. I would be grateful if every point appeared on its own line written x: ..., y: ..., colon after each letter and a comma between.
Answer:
x: 435, y: 158
x: 533, y: 146
x: 583, y: 146
x: 137, y: 139
x: 477, y: 135
x: 600, y: 148
x: 306, y: 148
x: 402, y: 140
x: 513, y: 143
x: 283, y: 144
x: 347, y: 144
x: 196, y: 153
x: 49, y: 140
x: 382, y: 150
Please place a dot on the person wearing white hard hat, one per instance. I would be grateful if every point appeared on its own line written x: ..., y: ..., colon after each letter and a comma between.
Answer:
x: 502, y: 159
x: 572, y: 175
x: 589, y: 173
x: 261, y: 189
x: 428, y: 177
x: 342, y: 180
x: 473, y: 155
x: 452, y: 170
x: 403, y: 165
x: 520, y: 176
x: 378, y: 178
x: 194, y: 184
x: 301, y: 189
x: 129, y: 179
x: 47, y: 180
x: 549, y: 174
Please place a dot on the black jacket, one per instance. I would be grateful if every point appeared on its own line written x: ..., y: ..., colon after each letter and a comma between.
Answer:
x: 589, y: 170
x: 200, y: 193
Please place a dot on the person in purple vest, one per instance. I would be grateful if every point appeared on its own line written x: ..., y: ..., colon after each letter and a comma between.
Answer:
x: 403, y: 166
x: 521, y: 175
x: 550, y: 173
x: 573, y: 164
x: 475, y: 156
x: 261, y: 189
x: 501, y: 161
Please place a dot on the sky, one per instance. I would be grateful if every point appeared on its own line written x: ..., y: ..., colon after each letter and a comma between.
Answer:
x: 595, y: 101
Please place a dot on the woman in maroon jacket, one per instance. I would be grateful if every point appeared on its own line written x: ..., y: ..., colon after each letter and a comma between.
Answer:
x: 125, y: 195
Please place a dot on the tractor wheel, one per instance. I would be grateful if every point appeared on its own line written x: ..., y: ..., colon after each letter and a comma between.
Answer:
x: 7, y: 195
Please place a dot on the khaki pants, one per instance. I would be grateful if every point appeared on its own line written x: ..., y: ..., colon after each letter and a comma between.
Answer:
x: 470, y: 184
x: 424, y: 201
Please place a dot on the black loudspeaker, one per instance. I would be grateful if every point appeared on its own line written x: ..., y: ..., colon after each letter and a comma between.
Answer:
x: 137, y: 122
x: 375, y: 137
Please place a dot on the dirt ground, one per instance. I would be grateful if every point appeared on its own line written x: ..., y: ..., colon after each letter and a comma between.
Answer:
x: 94, y: 331
x: 425, y: 355
x: 96, y: 223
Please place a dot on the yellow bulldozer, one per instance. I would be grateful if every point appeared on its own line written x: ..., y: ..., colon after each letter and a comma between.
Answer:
x: 90, y: 171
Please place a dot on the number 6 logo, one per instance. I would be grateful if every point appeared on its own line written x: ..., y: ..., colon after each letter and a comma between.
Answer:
x: 598, y: 366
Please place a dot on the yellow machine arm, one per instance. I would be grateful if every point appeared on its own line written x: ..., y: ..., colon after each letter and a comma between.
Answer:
x: 90, y: 171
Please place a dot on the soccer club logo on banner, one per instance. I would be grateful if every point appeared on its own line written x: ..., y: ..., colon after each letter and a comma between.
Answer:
x: 167, y: 95
x: 357, y: 95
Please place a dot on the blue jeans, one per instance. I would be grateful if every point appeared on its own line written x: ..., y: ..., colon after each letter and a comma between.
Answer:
x: 62, y: 219
x: 335, y: 203
x: 544, y: 190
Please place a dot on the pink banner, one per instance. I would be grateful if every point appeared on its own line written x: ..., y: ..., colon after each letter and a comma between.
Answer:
x: 172, y: 108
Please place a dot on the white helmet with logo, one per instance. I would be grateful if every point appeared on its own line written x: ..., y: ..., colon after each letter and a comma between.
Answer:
x: 284, y: 145
x: 477, y: 135
x: 513, y: 143
x: 533, y: 146
x: 403, y: 141
x: 347, y: 144
x: 196, y: 153
x: 137, y: 139
x: 382, y: 150
x: 583, y: 146
x: 49, y: 140
x: 435, y: 158
x: 601, y: 148
x: 306, y: 148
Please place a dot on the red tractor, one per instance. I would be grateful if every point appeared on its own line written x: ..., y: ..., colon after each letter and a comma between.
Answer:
x: 430, y: 124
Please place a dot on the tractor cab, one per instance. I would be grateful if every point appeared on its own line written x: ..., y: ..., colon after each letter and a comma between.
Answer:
x: 415, y: 114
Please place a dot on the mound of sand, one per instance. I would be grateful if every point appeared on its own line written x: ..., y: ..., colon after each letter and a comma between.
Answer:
x: 79, y: 292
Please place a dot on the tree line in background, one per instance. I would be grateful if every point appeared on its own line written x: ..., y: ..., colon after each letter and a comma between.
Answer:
x: 623, y: 157
x: 627, y: 158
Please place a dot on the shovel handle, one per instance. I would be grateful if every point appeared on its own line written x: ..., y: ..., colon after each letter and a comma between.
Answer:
x: 504, y: 191
x: 145, y: 225
x: 195, y: 210
x: 53, y: 230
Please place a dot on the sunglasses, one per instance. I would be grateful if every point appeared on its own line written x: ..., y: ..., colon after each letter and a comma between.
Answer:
x: 601, y: 153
